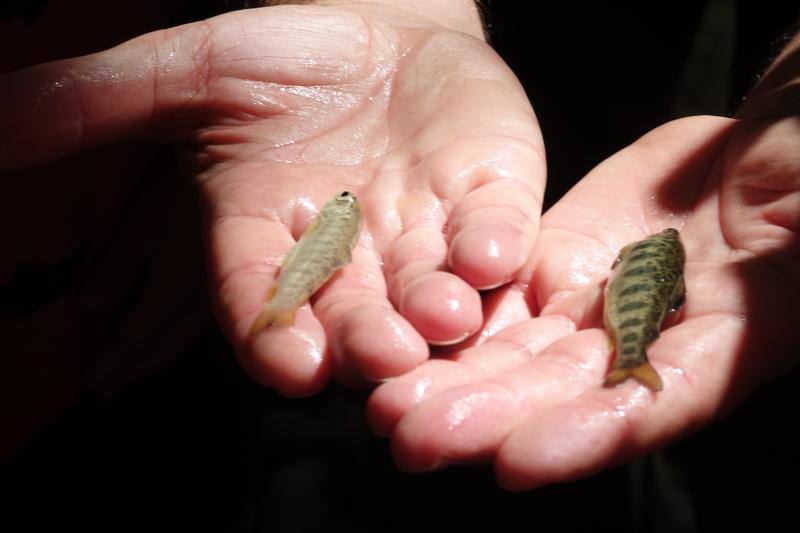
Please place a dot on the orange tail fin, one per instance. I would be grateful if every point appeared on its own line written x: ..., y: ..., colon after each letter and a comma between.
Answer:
x: 644, y: 374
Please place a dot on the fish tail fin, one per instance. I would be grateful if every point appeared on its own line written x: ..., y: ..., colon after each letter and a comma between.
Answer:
x: 269, y: 316
x: 272, y: 317
x: 644, y: 374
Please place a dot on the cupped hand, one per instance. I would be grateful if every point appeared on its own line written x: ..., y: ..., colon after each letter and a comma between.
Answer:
x: 530, y: 397
x: 276, y: 110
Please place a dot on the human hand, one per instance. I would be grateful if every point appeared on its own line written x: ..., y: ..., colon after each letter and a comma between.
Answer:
x: 280, y: 108
x: 530, y: 398
x: 70, y: 229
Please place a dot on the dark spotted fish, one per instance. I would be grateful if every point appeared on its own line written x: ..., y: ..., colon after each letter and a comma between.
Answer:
x: 646, y: 282
x: 324, y: 248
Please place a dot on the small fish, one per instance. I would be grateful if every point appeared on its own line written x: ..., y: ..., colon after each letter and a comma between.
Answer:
x: 646, y: 282
x: 324, y: 248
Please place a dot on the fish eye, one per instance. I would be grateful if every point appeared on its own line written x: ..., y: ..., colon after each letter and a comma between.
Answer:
x: 345, y: 194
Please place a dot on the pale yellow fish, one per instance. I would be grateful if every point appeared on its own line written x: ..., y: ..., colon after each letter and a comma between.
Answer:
x: 324, y: 247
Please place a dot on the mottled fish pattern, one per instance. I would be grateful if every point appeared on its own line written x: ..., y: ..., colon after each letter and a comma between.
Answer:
x: 646, y: 282
x: 324, y: 247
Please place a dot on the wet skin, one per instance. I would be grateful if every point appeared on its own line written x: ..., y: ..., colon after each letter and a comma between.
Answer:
x: 382, y: 103
x: 530, y: 398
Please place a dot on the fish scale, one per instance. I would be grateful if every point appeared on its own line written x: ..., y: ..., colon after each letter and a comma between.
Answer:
x: 646, y: 282
x: 324, y: 247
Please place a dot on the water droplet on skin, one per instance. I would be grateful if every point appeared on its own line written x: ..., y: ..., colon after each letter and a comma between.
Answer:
x: 399, y: 338
x: 493, y: 249
x: 453, y: 304
x: 463, y: 408
x: 314, y: 350
x: 420, y: 388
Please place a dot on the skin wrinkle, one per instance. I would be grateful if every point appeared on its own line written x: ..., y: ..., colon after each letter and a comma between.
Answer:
x: 341, y: 120
x: 367, y: 297
x: 335, y: 125
x: 776, y: 219
x: 218, y: 223
x: 255, y: 267
x: 442, y: 101
x: 489, y: 173
x: 723, y: 228
x: 564, y: 293
x: 565, y: 360
x: 410, y: 137
x: 429, y: 254
x: 518, y: 214
x: 411, y: 167
x: 222, y: 219
x: 522, y: 287
x: 202, y: 59
x: 518, y: 347
x: 611, y: 253
x: 400, y: 280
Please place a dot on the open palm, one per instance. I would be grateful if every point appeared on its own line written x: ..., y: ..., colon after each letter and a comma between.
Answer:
x: 280, y: 108
x: 530, y: 396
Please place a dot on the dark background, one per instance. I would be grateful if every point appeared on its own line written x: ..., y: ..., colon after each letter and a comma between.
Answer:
x: 199, y: 446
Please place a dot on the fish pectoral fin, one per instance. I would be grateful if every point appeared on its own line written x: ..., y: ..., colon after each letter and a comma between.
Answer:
x: 271, y: 291
x: 644, y: 374
x: 678, y: 295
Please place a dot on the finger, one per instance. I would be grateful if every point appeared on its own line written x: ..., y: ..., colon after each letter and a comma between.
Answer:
x: 440, y: 305
x: 470, y: 422
x: 762, y: 204
x: 172, y: 82
x: 605, y: 426
x: 492, y: 174
x: 494, y: 226
x: 368, y: 337
x: 479, y: 128
x: 509, y: 349
x: 66, y: 106
x: 246, y: 253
